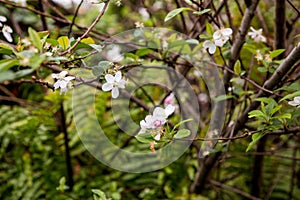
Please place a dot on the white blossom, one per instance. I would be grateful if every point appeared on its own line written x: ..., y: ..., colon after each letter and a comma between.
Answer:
x: 63, y: 82
x: 295, y: 102
x: 221, y: 36
x: 2, y: 19
x: 208, y: 44
x: 256, y: 35
x: 156, y: 120
x: 113, y: 83
x: 7, y: 31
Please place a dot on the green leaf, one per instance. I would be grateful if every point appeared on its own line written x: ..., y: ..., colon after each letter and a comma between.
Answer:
x: 98, y: 195
x: 237, y: 67
x: 262, y: 69
x: 256, y: 113
x: 101, y: 67
x: 144, y: 137
x: 6, y: 75
x: 284, y: 116
x: 275, y: 53
x: 35, y: 39
x: 182, y: 122
x: 223, y: 97
x: 6, y: 46
x: 192, y: 41
x: 35, y: 61
x: 255, y: 138
x: 143, y: 51
x: 6, y: 64
x: 175, y: 12
x: 182, y: 133
x: 23, y: 72
x: 209, y: 29
x: 289, y: 96
x: 88, y: 40
x: 293, y: 86
x: 203, y: 36
x: 202, y: 11
x: 63, y: 42
x: 266, y: 100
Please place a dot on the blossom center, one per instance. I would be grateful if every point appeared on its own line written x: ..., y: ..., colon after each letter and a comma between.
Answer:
x: 157, y: 123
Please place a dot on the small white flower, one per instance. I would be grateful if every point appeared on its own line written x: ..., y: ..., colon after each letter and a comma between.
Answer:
x: 155, y: 121
x: 63, y: 82
x: 2, y: 19
x: 221, y: 36
x: 256, y: 35
x: 114, y: 54
x: 208, y: 44
x: 113, y: 83
x: 7, y: 31
x: 295, y: 102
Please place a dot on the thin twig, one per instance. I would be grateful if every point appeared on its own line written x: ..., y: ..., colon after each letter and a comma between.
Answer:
x: 87, y: 31
x: 74, y: 18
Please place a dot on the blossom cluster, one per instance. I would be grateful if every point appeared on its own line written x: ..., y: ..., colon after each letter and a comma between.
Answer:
x: 220, y: 37
x: 63, y: 82
x: 153, y: 123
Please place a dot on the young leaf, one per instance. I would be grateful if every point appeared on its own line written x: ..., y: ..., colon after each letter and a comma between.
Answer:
x: 182, y: 133
x: 201, y: 12
x: 275, y: 53
x: 209, y: 28
x: 223, y: 97
x: 144, y: 138
x: 64, y: 42
x: 35, y: 39
x: 237, y: 67
x: 289, y: 96
x: 175, y: 12
x: 255, y: 138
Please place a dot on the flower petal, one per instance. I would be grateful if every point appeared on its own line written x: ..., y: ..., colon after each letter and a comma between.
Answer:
x: 121, y: 83
x: 293, y: 103
x: 212, y: 49
x: 63, y: 84
x: 55, y: 76
x: 157, y: 137
x: 297, y: 99
x: 227, y: 31
x: 69, y: 78
x: 118, y: 76
x: 109, y: 78
x: 169, y: 109
x: 62, y: 74
x: 56, y: 85
x: 2, y: 18
x: 159, y: 112
x: 7, y: 36
x: 115, y: 92
x: 107, y: 87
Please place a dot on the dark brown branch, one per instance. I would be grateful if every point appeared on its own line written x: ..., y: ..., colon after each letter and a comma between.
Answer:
x: 280, y: 26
